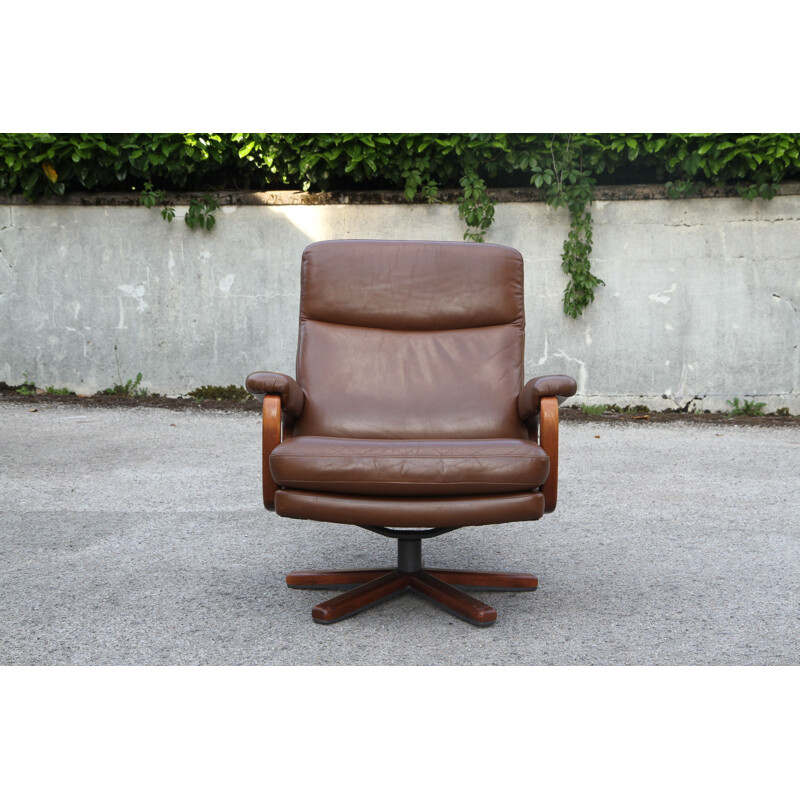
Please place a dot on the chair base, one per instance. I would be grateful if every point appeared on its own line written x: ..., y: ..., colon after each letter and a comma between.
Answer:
x: 373, y: 586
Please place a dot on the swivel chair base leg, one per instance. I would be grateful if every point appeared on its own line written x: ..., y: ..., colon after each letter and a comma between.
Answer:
x: 373, y: 586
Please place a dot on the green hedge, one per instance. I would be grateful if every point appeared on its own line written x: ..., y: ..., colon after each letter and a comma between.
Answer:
x: 564, y: 166
x: 41, y: 164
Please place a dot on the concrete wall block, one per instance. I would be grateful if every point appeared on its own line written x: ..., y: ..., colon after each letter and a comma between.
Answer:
x: 701, y: 297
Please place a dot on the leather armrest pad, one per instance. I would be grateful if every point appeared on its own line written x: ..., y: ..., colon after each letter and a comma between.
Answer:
x: 292, y: 397
x: 560, y: 386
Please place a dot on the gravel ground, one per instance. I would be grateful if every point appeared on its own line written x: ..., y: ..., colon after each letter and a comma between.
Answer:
x: 136, y: 536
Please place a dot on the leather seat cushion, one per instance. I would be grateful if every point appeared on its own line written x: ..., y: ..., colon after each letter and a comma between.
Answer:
x: 409, y: 468
x: 409, y: 512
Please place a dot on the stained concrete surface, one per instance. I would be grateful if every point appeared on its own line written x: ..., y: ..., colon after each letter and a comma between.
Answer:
x: 137, y: 537
x: 700, y: 302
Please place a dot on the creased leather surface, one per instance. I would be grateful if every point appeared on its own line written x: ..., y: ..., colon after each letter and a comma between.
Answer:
x: 560, y: 386
x: 412, y: 286
x: 261, y: 383
x: 419, y: 342
x: 373, y: 383
x: 430, y: 468
x: 410, y: 512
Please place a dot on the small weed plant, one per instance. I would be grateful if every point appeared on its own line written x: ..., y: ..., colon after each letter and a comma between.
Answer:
x: 592, y: 410
x: 26, y: 388
x: 232, y: 392
x: 748, y: 408
x: 627, y: 409
x: 130, y: 388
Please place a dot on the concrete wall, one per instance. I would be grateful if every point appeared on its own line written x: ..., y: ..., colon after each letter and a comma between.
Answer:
x: 701, y: 297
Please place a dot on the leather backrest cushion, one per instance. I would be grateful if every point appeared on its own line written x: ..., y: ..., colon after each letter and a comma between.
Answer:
x: 412, y: 286
x: 411, y: 339
x: 372, y: 383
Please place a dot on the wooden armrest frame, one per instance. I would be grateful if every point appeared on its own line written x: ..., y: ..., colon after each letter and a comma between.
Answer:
x: 548, y: 439
x: 270, y: 437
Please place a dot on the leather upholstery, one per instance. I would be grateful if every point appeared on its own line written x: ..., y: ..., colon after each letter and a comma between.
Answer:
x: 414, y: 468
x: 411, y: 340
x: 412, y: 286
x: 373, y: 383
x: 560, y: 386
x: 409, y: 408
x: 410, y: 512
x: 292, y: 399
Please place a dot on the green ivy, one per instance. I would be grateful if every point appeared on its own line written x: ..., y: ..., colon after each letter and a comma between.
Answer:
x: 568, y: 185
x: 564, y: 167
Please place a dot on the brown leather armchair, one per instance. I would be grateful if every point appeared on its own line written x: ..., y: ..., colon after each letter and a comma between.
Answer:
x: 409, y: 416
